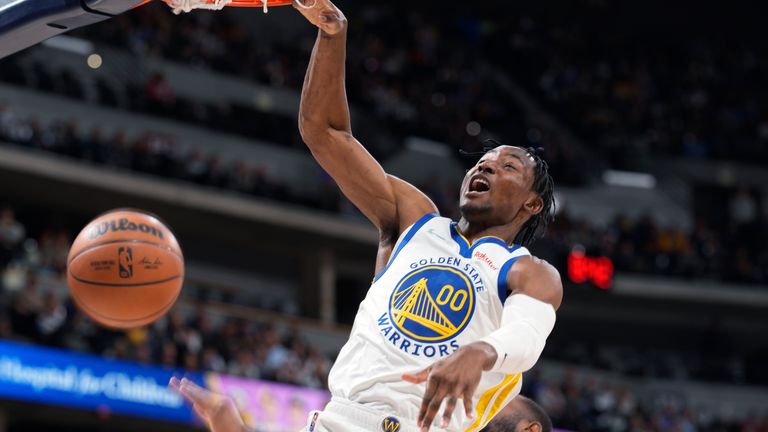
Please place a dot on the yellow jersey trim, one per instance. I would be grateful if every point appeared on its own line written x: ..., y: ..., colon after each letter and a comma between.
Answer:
x: 496, y: 395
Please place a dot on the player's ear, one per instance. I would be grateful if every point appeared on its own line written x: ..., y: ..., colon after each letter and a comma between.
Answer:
x: 534, y: 204
x: 534, y: 426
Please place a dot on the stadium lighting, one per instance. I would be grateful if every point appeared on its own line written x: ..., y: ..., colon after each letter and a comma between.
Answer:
x: 94, y: 61
x: 629, y: 179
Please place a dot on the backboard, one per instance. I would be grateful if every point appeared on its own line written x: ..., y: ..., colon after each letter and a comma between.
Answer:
x: 24, y: 23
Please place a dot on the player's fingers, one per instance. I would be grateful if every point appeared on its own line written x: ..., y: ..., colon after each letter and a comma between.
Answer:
x: 466, y: 399
x: 193, y: 392
x: 429, y: 395
x: 450, y: 405
x: 174, y: 384
x: 321, y: 13
x: 432, y: 408
x: 416, y: 377
x: 304, y: 4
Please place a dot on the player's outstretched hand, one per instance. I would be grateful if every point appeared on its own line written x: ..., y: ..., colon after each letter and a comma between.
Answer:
x: 323, y: 14
x: 453, y: 378
x: 219, y: 412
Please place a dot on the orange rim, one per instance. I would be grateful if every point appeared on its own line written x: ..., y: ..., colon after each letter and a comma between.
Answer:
x: 244, y: 3
x: 258, y: 3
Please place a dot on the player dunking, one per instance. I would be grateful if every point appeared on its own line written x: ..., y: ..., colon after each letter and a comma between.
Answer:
x: 457, y: 310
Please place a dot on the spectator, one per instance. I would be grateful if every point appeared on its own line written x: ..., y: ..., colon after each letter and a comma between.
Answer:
x: 51, y: 319
x: 26, y: 306
x: 743, y: 208
x: 12, y: 234
x: 159, y: 94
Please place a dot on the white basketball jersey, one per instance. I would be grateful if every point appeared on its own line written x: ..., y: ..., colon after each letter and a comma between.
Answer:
x: 436, y: 294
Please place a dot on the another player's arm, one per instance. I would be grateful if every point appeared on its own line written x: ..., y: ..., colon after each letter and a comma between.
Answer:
x: 526, y: 322
x: 324, y: 122
x: 218, y: 411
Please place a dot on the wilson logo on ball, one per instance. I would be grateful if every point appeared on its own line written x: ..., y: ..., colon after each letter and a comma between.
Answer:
x: 122, y: 224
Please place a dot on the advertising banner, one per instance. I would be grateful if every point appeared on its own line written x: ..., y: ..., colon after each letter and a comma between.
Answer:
x: 270, y: 407
x: 57, y: 377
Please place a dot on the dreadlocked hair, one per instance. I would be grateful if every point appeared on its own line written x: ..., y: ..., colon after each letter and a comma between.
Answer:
x: 543, y: 185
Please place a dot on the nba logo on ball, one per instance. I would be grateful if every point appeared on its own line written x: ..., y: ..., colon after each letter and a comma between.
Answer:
x: 390, y: 424
x: 125, y: 262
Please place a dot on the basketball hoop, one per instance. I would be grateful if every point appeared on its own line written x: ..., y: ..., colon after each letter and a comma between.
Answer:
x: 179, y: 6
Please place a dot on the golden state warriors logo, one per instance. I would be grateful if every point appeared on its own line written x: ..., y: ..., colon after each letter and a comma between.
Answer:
x: 390, y: 424
x: 432, y: 304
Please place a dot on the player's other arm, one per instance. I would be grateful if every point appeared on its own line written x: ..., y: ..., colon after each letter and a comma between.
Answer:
x: 324, y: 122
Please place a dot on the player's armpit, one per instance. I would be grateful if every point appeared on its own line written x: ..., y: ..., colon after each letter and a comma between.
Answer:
x: 536, y: 278
x: 412, y: 204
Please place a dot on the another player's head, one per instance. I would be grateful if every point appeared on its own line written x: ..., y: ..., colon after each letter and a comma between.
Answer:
x: 521, y: 415
x: 509, y: 186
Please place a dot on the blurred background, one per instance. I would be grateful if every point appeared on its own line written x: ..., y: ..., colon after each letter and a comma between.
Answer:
x: 653, y: 117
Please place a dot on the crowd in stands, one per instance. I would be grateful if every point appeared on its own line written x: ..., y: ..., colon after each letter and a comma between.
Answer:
x: 732, y: 252
x: 157, y: 154
x: 409, y: 79
x: 412, y: 82
x: 646, y: 79
x: 581, y: 403
x: 156, y: 97
x: 699, y: 97
x: 632, y: 94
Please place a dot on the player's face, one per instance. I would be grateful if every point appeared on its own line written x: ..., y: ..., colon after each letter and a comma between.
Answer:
x: 498, y: 187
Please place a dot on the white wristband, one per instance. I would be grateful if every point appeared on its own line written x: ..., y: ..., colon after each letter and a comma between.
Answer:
x: 525, y: 325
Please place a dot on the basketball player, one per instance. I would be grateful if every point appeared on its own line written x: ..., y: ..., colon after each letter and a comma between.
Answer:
x: 221, y: 415
x: 457, y: 310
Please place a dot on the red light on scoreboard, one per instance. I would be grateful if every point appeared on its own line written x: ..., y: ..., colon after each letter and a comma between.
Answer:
x: 583, y: 269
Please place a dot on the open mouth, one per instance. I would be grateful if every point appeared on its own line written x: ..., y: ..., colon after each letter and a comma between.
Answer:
x: 479, y: 184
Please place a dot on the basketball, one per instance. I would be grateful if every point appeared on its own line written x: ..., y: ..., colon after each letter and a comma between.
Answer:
x: 125, y: 269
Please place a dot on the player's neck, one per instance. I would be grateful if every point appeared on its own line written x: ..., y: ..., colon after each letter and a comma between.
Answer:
x: 475, y: 230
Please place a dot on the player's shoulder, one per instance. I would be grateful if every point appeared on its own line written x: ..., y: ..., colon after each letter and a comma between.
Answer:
x: 539, y: 265
x: 538, y: 278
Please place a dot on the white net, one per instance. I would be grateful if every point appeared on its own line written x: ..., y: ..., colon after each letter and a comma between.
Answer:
x: 180, y: 6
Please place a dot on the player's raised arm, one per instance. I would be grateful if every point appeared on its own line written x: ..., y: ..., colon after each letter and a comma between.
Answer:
x: 390, y: 203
